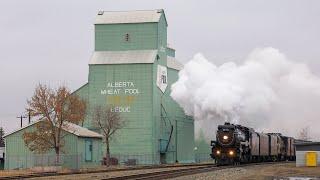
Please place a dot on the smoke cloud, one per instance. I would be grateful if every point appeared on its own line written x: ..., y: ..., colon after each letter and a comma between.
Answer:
x: 268, y: 92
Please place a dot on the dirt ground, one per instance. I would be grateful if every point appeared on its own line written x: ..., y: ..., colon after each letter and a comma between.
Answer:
x: 263, y: 172
x: 113, y: 169
x: 105, y: 175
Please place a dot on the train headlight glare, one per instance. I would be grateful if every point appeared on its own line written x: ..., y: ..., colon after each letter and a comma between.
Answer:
x: 231, y: 153
x: 218, y: 152
x: 225, y: 137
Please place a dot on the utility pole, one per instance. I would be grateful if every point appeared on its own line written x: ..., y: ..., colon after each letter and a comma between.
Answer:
x: 29, y: 114
x: 21, y: 117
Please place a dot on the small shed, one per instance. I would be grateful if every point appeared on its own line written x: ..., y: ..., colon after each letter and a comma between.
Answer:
x: 82, y: 148
x: 307, y: 154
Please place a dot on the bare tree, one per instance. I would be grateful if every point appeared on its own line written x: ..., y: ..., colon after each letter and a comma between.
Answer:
x: 55, y: 108
x: 304, y: 134
x: 108, y: 122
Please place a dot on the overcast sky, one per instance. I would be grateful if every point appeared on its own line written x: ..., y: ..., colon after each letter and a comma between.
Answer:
x: 51, y: 41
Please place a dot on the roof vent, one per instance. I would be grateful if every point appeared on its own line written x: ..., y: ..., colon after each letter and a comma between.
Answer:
x: 100, y: 13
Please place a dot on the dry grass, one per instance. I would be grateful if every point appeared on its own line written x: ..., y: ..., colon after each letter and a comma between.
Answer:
x: 14, y: 172
x: 6, y: 173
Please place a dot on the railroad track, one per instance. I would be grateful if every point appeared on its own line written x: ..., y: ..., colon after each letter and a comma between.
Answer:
x: 167, y: 174
x: 184, y: 170
x: 47, y: 174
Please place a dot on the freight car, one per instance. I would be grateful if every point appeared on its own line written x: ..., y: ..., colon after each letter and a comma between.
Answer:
x: 236, y: 144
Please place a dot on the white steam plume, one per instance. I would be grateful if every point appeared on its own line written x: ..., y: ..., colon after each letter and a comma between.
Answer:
x: 267, y: 92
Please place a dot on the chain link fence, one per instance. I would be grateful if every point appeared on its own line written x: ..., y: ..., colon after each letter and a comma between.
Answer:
x: 203, y: 158
x: 76, y: 161
x: 71, y: 161
x: 134, y: 159
x: 146, y: 159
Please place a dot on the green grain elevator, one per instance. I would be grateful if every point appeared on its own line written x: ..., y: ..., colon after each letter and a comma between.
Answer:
x: 132, y: 70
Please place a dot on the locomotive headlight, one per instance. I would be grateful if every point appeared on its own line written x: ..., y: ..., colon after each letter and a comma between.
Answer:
x: 218, y: 152
x: 225, y: 137
x: 231, y: 153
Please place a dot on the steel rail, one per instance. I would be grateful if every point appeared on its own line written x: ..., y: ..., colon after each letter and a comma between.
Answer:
x: 166, y: 174
x: 183, y: 172
x: 47, y: 174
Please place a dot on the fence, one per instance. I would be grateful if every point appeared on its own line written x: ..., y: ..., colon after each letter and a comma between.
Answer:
x: 72, y: 161
x: 145, y: 159
x: 134, y: 159
x: 203, y: 157
x: 75, y: 161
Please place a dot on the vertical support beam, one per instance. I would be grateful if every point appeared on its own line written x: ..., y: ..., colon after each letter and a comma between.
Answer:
x: 176, y: 140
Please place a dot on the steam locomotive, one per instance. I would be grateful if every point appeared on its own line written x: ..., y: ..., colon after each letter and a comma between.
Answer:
x: 237, y: 144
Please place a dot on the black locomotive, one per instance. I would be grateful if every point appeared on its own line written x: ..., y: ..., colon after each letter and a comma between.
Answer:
x: 237, y: 144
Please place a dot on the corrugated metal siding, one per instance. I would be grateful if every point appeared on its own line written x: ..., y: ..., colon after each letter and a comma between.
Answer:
x: 273, y: 148
x: 96, y: 152
x: 308, y: 147
x: 83, y: 92
x: 301, y: 158
x: 144, y: 127
x: 19, y: 156
x: 159, y: 129
x: 112, y: 37
x: 17, y: 153
x: 162, y: 37
x: 185, y: 125
x: 264, y: 145
x: 254, y: 142
x: 135, y: 137
x: 183, y: 143
x: 173, y: 63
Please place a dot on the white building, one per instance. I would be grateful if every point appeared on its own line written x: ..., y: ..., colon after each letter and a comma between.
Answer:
x: 307, y: 154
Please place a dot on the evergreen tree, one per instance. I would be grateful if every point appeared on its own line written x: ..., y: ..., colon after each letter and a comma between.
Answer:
x: 1, y: 137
